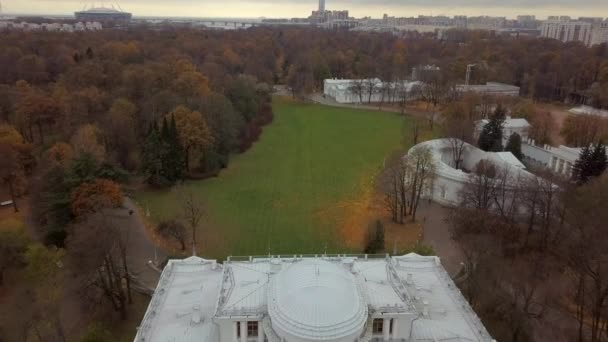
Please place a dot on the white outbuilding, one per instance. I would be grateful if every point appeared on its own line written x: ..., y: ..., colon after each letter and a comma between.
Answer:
x: 449, y: 181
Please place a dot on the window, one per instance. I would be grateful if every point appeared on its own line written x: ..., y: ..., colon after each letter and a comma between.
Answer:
x: 238, y: 329
x: 377, y: 325
x: 252, y: 329
x: 390, y: 329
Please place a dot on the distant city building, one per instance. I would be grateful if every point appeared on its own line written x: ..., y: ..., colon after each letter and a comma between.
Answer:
x: 326, y: 16
x: 567, y: 30
x: 589, y: 31
x: 296, y: 298
x: 490, y: 88
x: 50, y: 27
x: 599, y: 34
x: 321, y: 6
x: 486, y: 23
x: 526, y: 24
x: 104, y: 15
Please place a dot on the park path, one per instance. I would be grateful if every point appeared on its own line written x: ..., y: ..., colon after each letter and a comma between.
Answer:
x: 142, y: 248
x: 437, y: 235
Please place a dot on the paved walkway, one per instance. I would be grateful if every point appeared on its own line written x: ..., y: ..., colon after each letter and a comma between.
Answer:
x: 141, y: 247
x: 437, y: 235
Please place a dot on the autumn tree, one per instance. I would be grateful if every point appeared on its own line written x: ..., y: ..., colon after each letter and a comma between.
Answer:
x: 584, y: 130
x: 121, y: 132
x: 193, y: 132
x: 88, y: 140
x: 10, y: 171
x: 13, y: 244
x: 93, y: 196
x: 60, y: 154
x: 300, y: 79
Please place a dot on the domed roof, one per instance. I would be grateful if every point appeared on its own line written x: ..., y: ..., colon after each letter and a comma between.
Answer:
x: 316, y: 299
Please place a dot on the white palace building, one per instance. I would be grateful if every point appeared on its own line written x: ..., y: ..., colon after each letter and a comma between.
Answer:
x: 336, y: 298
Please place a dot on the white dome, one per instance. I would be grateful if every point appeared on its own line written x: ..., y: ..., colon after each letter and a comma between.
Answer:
x: 316, y: 300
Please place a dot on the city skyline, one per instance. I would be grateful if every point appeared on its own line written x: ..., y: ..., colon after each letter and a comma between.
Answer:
x: 290, y: 8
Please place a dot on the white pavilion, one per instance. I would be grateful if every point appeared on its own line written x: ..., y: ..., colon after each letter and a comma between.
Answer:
x: 309, y: 298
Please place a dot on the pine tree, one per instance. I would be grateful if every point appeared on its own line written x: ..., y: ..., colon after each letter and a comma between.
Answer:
x: 152, y: 158
x: 582, y: 167
x: 490, y: 138
x: 599, y: 162
x: 514, y: 145
x: 176, y: 156
x: 590, y: 164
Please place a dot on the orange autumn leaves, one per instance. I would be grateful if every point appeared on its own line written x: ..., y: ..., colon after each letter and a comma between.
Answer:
x: 90, y: 197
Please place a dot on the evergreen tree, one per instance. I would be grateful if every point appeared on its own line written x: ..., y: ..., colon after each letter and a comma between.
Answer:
x: 581, y: 171
x: 175, y: 162
x: 490, y: 138
x: 152, y: 158
x: 599, y: 162
x: 514, y: 145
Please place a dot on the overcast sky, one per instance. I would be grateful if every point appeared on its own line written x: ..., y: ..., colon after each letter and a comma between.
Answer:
x: 302, y: 8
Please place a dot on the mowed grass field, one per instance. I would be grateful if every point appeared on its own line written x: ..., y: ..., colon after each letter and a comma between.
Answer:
x: 291, y: 192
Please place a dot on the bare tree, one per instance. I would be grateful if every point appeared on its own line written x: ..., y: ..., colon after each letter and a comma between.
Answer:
x: 480, y: 190
x: 371, y: 87
x: 98, y: 252
x: 192, y: 212
x: 357, y: 88
x: 588, y: 256
x: 395, y: 184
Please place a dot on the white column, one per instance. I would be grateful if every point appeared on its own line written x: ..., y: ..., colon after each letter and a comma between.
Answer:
x: 386, y: 325
x: 235, y: 335
x: 243, y: 331
x: 260, y: 332
x: 395, y: 329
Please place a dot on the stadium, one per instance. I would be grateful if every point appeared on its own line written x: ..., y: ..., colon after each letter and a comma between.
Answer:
x: 104, y: 15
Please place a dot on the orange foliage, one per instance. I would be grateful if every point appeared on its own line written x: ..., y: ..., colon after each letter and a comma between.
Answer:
x: 59, y: 154
x: 94, y: 196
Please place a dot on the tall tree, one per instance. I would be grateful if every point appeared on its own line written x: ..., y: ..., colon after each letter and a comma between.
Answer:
x: 514, y: 145
x: 490, y: 138
x: 590, y: 164
x: 10, y: 171
x: 193, y: 132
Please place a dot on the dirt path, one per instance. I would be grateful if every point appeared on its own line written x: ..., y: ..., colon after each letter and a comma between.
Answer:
x: 437, y: 235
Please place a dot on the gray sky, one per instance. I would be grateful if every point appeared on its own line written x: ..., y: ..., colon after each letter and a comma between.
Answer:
x: 302, y: 8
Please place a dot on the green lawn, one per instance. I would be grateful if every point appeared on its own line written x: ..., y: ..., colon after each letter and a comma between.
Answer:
x: 288, y: 192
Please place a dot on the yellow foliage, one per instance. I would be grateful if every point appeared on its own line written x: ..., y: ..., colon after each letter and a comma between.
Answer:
x: 88, y: 140
x: 10, y: 136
